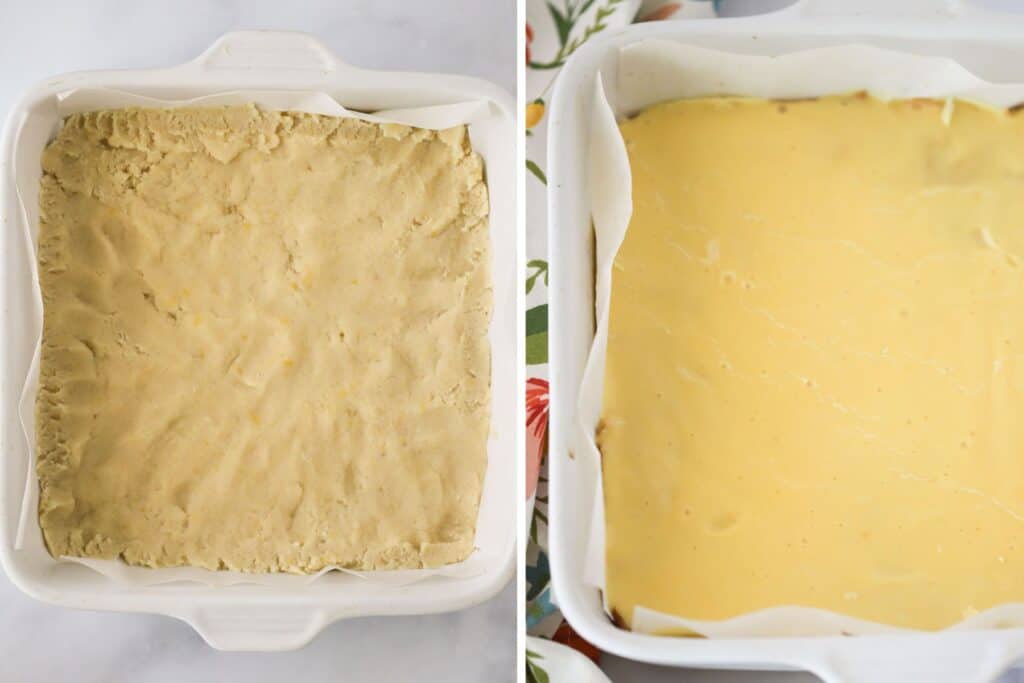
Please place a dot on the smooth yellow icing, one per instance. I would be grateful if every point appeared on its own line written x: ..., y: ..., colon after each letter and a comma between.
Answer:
x: 816, y: 361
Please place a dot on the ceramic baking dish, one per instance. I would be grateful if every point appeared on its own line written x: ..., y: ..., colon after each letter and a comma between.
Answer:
x: 255, y: 617
x: 992, y: 46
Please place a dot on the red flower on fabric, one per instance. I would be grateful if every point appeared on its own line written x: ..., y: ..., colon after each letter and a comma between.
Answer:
x: 567, y: 636
x: 663, y: 12
x: 537, y: 391
x: 529, y: 39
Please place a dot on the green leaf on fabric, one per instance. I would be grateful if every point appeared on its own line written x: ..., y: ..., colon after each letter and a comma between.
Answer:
x: 535, y: 170
x: 537, y: 335
x: 537, y: 319
x: 534, y: 672
x: 563, y: 23
x: 567, y: 44
x: 540, y: 66
x: 537, y: 349
x: 540, y: 267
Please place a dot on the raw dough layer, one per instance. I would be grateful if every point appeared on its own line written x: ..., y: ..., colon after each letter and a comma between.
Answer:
x: 815, y: 369
x: 264, y: 341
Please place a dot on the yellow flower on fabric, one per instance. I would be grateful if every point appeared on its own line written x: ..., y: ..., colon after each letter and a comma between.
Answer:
x: 534, y: 113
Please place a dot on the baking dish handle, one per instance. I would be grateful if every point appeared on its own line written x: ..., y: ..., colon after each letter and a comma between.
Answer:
x: 979, y: 657
x: 262, y: 629
x: 268, y: 51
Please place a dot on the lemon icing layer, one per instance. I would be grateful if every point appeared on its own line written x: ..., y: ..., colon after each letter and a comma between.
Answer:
x: 815, y: 369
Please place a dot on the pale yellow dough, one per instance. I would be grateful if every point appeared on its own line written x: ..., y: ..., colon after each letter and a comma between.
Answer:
x: 815, y: 377
x: 264, y: 341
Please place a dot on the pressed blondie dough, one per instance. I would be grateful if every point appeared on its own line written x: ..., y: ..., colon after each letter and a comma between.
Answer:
x: 264, y: 342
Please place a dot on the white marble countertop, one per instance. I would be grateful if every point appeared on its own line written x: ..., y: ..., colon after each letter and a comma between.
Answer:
x: 50, y: 644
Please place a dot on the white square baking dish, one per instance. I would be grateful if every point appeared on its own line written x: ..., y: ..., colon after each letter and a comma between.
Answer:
x: 988, y: 44
x: 255, y: 617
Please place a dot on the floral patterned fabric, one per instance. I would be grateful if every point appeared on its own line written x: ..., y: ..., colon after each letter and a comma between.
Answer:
x: 554, y: 30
